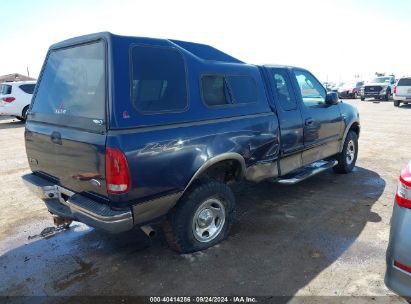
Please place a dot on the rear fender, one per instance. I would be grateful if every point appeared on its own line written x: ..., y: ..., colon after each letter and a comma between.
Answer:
x: 214, y: 160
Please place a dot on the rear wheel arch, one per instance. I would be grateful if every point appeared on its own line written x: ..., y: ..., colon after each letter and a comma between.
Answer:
x: 225, y: 167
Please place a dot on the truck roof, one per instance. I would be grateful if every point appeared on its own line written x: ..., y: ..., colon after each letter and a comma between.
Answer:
x: 201, y: 51
x: 281, y: 66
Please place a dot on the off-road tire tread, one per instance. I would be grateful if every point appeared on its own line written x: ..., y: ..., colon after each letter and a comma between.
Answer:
x: 175, y: 226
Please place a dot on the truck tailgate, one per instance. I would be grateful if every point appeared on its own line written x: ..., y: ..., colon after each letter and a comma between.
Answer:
x: 75, y: 159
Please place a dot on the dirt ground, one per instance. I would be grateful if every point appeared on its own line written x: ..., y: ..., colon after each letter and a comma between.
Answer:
x: 326, y: 236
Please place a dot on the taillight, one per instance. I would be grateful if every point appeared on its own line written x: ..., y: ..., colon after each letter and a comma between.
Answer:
x: 117, y: 172
x: 402, y: 266
x: 9, y: 99
x: 403, y: 196
x: 395, y: 89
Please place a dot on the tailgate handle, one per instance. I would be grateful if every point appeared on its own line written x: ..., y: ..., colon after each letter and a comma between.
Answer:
x: 56, y: 138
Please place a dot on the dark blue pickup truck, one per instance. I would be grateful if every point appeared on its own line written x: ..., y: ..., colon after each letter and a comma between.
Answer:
x: 124, y: 132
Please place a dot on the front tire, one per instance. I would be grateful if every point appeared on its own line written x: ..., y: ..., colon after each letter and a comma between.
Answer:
x: 202, y: 218
x: 362, y: 98
x: 348, y: 157
x: 387, y: 95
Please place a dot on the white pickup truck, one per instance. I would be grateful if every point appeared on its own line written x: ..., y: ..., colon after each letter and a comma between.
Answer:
x: 402, y: 91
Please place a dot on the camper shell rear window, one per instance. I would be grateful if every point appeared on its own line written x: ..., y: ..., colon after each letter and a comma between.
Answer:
x: 404, y: 82
x: 72, y: 88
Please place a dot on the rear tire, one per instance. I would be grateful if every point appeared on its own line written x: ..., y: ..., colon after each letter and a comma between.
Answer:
x: 348, y: 157
x: 362, y: 98
x: 23, y: 116
x: 202, y: 218
x: 396, y: 103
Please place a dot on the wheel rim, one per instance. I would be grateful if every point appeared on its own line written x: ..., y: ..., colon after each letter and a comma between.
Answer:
x: 208, y: 221
x: 350, y: 154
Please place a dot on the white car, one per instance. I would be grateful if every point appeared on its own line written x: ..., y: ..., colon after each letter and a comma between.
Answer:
x: 15, y: 98
x: 402, y: 91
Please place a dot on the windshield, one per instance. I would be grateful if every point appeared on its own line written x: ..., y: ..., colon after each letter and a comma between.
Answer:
x: 73, y: 84
x: 381, y: 80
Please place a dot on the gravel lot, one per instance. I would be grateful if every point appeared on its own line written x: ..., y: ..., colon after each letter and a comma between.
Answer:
x: 326, y: 236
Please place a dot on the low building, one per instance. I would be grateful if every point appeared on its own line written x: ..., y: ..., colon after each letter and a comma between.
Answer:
x: 14, y: 77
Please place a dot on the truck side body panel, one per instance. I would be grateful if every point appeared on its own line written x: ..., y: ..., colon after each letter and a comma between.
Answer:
x: 165, y: 150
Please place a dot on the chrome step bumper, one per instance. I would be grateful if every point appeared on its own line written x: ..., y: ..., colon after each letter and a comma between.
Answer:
x: 78, y: 207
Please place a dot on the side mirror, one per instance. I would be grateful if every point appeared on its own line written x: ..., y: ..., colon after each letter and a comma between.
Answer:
x: 331, y: 98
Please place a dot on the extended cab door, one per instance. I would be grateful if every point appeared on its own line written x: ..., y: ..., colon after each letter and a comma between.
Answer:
x: 289, y: 115
x: 323, y: 123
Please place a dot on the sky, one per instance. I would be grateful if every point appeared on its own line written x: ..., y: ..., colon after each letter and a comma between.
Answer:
x: 334, y: 39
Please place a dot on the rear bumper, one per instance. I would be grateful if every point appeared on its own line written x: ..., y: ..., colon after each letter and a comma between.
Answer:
x: 397, y: 280
x: 402, y: 98
x: 65, y: 203
x: 10, y: 110
x: 399, y: 250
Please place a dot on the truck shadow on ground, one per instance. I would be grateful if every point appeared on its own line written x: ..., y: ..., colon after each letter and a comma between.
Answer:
x: 405, y: 106
x: 284, y: 237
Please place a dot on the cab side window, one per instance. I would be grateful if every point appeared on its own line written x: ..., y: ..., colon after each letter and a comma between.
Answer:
x: 312, y: 92
x: 284, y: 90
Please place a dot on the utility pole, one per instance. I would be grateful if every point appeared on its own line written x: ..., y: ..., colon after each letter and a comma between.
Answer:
x: 28, y: 72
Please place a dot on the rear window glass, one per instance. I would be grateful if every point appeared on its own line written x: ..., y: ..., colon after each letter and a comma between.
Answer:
x: 27, y: 88
x: 73, y: 84
x: 284, y: 90
x: 158, y: 80
x: 404, y: 82
x: 219, y: 90
x: 5, y: 89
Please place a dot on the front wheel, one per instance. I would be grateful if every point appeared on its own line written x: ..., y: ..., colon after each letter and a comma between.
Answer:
x: 348, y: 157
x: 202, y: 218
x: 362, y: 98
x: 387, y: 95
